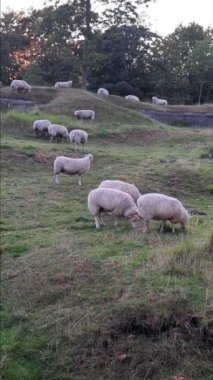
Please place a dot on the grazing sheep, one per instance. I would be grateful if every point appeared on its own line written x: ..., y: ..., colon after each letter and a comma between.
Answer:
x: 132, y: 98
x: 85, y: 115
x: 155, y: 206
x: 115, y: 202
x: 78, y: 136
x: 41, y: 126
x: 103, y: 92
x: 63, y: 84
x: 55, y: 130
x: 160, y: 102
x: 71, y: 166
x: 122, y: 186
x: 18, y: 85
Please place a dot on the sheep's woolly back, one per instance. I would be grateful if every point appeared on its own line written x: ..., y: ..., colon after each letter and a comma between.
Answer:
x: 102, y: 92
x: 128, y: 188
x: 161, y: 207
x: 117, y: 202
x: 85, y: 114
x: 20, y: 84
x: 69, y: 165
x: 132, y: 98
x: 162, y: 102
x: 56, y: 129
x: 67, y: 84
x: 41, y: 125
x: 79, y: 136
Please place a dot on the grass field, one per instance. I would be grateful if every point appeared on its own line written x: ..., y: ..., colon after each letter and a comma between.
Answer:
x: 111, y: 304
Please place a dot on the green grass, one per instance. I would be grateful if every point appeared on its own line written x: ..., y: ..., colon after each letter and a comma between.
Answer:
x: 111, y: 304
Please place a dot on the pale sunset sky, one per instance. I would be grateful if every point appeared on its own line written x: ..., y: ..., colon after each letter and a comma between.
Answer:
x: 162, y: 16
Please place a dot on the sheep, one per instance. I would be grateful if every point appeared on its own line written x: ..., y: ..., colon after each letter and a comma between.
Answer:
x: 71, y: 166
x: 85, y: 115
x: 41, y: 126
x: 156, y: 206
x: 160, y: 102
x: 122, y: 186
x: 132, y: 98
x: 78, y: 136
x: 55, y: 130
x: 63, y: 84
x: 103, y: 92
x: 115, y: 202
x: 18, y: 85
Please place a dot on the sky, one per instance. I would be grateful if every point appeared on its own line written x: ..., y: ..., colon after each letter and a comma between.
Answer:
x: 163, y: 16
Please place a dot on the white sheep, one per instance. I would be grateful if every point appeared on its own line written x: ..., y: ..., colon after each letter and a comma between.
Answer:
x: 78, y: 136
x: 156, y: 206
x: 103, y: 92
x: 85, y: 115
x: 18, y: 85
x: 115, y: 202
x: 160, y: 102
x: 126, y: 187
x: 71, y: 166
x: 56, y: 130
x: 41, y: 126
x: 132, y: 98
x: 63, y: 84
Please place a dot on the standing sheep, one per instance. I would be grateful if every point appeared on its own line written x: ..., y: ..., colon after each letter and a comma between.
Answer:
x: 18, y: 85
x: 103, y: 92
x: 159, y: 102
x: 55, y: 130
x: 122, y: 186
x: 78, y: 136
x: 115, y: 202
x: 132, y: 98
x: 41, y: 126
x: 85, y: 115
x: 155, y: 206
x: 63, y: 84
x: 71, y: 166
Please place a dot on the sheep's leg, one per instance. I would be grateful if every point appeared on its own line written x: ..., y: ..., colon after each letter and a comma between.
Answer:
x: 162, y: 225
x: 79, y: 180
x: 146, y: 227
x: 97, y: 223
x: 133, y: 224
x: 173, y: 228
x: 56, y: 179
x: 183, y: 226
x: 115, y: 222
x: 101, y: 220
x: 51, y: 139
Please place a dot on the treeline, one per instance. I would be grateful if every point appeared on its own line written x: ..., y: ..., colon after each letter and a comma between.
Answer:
x: 107, y: 49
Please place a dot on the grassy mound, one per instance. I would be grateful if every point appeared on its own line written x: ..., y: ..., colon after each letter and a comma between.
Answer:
x: 111, y: 304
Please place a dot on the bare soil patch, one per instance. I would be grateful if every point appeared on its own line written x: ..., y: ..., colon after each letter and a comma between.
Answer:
x: 150, y: 137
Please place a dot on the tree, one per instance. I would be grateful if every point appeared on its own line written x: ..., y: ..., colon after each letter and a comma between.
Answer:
x: 169, y: 68
x: 117, y: 12
x: 121, y: 55
x: 200, y: 63
x: 14, y: 45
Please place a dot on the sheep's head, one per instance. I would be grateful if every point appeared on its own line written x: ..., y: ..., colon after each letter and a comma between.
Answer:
x: 90, y: 156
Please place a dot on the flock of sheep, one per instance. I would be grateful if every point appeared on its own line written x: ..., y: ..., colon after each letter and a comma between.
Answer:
x: 18, y: 85
x: 117, y: 198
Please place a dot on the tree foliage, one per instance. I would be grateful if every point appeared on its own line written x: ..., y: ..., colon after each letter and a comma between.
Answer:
x: 102, y: 43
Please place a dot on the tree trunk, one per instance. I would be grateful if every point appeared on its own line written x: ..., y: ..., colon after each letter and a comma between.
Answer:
x: 87, y: 44
x: 200, y: 93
